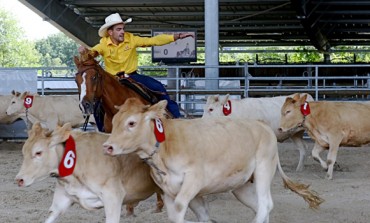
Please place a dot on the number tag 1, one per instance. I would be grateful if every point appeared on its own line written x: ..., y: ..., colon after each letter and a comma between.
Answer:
x: 68, y: 162
x: 227, y: 108
x: 159, y: 130
x: 28, y: 100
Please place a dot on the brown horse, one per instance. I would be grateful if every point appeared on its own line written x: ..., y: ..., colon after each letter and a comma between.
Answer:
x: 94, y: 85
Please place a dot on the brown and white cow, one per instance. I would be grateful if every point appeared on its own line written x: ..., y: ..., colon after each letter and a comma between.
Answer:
x: 97, y: 180
x: 193, y: 158
x: 266, y: 109
x: 50, y: 110
x: 329, y: 124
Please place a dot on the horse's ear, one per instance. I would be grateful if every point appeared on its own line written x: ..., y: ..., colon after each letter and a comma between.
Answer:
x: 76, y: 60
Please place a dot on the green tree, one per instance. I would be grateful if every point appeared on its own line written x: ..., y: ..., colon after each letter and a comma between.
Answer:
x: 15, y: 49
x: 57, y: 50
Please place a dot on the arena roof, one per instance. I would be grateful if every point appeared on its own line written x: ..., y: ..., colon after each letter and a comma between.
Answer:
x: 319, y: 23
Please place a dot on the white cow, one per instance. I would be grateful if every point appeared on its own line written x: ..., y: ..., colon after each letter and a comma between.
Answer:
x: 97, y: 180
x: 265, y: 109
x: 196, y: 157
x: 50, y: 111
x: 4, y: 103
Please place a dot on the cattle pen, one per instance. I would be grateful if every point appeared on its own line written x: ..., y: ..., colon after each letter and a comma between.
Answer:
x: 189, y: 86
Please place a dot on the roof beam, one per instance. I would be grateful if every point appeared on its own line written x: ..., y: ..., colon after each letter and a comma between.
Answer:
x: 318, y: 39
x: 60, y: 16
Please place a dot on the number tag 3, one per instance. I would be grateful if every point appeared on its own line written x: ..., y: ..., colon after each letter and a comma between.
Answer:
x: 68, y: 162
x: 159, y: 130
x: 28, y: 100
x: 227, y: 108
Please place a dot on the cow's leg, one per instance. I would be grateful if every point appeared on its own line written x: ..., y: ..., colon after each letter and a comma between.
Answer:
x: 301, y: 146
x: 174, y: 215
x: 317, y: 149
x: 332, y: 157
x: 247, y: 195
x: 61, y: 202
x: 130, y: 210
x: 160, y: 203
x: 112, y: 199
x: 200, y: 208
x: 262, y: 176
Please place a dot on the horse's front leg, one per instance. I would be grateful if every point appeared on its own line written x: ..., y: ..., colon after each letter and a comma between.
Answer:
x: 107, y: 123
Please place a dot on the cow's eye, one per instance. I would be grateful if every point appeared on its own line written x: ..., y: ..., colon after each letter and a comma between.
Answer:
x: 131, y: 124
x: 287, y: 112
x: 211, y: 110
x: 38, y: 153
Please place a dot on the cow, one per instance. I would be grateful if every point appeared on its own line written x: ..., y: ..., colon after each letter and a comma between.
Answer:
x: 265, y: 109
x: 50, y: 111
x: 330, y: 124
x: 190, y: 158
x: 4, y: 103
x: 97, y: 180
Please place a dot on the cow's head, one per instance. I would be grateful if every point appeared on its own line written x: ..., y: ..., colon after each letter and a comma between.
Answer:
x: 40, y: 158
x: 214, y: 105
x: 133, y: 127
x: 16, y: 105
x: 291, y: 115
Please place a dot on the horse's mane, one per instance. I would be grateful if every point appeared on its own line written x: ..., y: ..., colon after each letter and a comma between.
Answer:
x: 87, y: 59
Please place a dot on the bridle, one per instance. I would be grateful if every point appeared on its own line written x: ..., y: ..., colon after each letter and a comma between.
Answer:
x: 98, y: 78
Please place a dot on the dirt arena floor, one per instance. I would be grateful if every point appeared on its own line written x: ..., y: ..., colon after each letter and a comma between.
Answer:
x: 347, y: 197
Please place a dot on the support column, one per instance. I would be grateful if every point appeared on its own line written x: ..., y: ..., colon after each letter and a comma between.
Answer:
x: 211, y: 21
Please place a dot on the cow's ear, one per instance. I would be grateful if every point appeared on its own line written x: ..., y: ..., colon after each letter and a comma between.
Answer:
x: 303, y: 99
x: 61, y: 134
x: 24, y: 94
x: 36, y: 130
x: 157, y: 110
x: 225, y: 99
x: 13, y: 92
x: 296, y: 97
x: 215, y: 98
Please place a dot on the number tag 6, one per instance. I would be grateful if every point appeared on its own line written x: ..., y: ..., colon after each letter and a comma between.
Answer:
x: 68, y: 162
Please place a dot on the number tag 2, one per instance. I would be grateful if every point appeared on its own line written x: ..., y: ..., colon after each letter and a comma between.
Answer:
x: 68, y: 162
x: 227, y: 108
x: 305, y: 109
x: 28, y: 100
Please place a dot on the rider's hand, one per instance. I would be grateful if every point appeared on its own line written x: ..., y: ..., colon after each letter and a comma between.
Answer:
x: 82, y: 49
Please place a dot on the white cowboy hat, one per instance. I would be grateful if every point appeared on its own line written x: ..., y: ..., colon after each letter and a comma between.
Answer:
x: 111, y: 20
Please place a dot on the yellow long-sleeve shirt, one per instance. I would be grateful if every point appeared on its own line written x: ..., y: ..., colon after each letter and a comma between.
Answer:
x: 123, y: 57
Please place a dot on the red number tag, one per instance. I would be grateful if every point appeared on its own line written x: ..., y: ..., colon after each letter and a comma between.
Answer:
x: 305, y: 109
x: 227, y: 108
x: 28, y: 100
x: 68, y: 162
x: 159, y: 130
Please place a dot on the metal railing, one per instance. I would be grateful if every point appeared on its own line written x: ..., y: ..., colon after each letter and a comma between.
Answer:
x: 188, y: 85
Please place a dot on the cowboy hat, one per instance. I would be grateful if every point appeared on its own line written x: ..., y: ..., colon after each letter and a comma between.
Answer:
x: 111, y: 20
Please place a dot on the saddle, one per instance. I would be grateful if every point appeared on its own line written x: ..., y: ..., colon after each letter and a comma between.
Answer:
x: 149, y: 95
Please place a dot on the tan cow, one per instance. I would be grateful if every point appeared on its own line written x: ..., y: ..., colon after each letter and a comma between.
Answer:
x: 97, y: 180
x: 266, y: 109
x: 50, y: 111
x: 330, y: 124
x: 193, y: 158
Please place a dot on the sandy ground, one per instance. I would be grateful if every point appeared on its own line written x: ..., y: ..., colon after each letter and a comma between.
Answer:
x: 347, y: 197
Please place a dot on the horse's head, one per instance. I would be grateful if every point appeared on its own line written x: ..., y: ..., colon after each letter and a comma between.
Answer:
x: 89, y: 82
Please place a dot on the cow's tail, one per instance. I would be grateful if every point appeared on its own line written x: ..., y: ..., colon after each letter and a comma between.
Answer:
x: 310, y: 196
